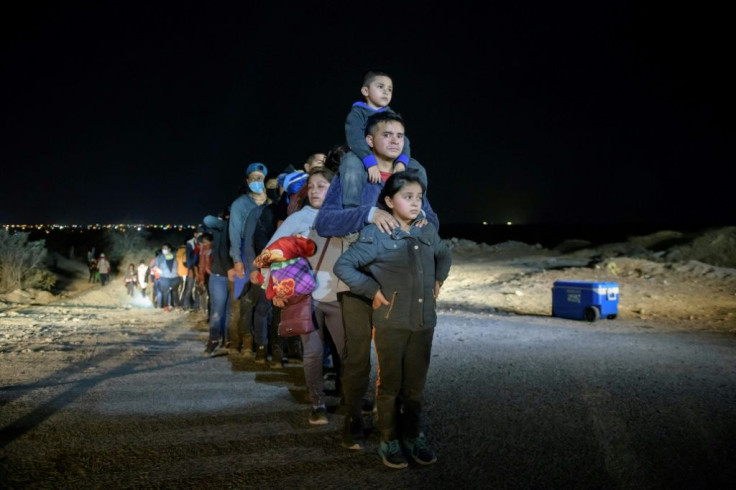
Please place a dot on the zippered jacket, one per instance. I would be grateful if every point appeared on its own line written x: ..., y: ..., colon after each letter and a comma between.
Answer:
x: 404, y: 266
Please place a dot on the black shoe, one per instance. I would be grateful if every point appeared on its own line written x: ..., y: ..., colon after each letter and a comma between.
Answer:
x: 390, y: 452
x: 318, y: 416
x: 352, y: 434
x: 211, y: 346
x: 419, y: 450
x: 277, y: 359
x: 261, y: 355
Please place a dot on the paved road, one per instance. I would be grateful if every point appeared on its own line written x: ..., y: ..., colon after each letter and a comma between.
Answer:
x: 512, y: 402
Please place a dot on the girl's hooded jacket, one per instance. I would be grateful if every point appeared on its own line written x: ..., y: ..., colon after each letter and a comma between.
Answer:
x: 404, y: 266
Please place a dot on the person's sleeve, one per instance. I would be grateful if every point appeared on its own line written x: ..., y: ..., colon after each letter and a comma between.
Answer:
x: 213, y: 223
x: 235, y: 228
x: 430, y: 214
x: 442, y: 258
x: 249, y: 251
x: 355, y: 136
x: 349, y: 268
x: 287, y: 228
x: 333, y: 220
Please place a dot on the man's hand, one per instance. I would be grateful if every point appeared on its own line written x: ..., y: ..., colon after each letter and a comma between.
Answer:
x: 384, y: 221
x: 436, y: 291
x: 278, y: 302
x: 374, y: 175
x: 254, y: 276
x: 379, y: 300
x: 239, y: 269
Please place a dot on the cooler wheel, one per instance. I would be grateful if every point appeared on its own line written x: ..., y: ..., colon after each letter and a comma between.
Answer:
x: 592, y: 313
x: 611, y: 317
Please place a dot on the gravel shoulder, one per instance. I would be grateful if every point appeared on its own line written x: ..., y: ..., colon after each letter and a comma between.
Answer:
x: 97, y: 391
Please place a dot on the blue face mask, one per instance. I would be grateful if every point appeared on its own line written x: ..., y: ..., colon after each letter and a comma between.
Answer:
x: 256, y: 187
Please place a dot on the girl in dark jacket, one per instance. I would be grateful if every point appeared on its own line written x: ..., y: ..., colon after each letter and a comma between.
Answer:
x: 402, y: 273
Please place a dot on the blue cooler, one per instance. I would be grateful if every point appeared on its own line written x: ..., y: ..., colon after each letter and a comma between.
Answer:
x: 583, y: 300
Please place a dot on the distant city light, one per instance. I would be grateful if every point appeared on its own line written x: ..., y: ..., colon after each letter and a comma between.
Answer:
x: 509, y: 223
x: 485, y: 222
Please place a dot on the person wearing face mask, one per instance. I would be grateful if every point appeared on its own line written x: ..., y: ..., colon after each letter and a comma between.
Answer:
x: 169, y: 277
x: 264, y: 337
x: 242, y: 308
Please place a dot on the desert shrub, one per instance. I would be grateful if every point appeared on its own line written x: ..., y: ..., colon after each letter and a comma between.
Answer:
x: 21, y: 262
x: 127, y: 245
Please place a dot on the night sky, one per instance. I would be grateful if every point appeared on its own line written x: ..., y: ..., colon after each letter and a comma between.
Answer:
x: 533, y: 112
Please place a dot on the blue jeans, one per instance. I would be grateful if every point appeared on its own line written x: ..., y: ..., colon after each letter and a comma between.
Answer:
x: 354, y: 175
x: 219, y: 307
x: 169, y: 290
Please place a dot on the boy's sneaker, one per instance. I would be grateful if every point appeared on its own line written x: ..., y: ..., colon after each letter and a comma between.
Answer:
x: 391, y: 454
x: 352, y: 434
x: 318, y: 416
x: 419, y: 450
x: 261, y: 355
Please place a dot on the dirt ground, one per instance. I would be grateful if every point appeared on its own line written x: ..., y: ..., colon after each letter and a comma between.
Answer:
x: 662, y: 286
x: 687, y: 286
x: 667, y: 282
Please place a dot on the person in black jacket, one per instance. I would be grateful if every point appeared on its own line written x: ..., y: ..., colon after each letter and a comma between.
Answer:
x: 401, y: 273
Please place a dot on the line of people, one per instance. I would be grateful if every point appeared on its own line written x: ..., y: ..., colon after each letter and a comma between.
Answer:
x: 380, y: 267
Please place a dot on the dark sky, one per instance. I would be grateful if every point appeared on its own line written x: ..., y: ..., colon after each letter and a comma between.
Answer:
x: 534, y: 112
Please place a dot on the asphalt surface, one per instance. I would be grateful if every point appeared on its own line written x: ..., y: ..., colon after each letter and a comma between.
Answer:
x: 511, y: 402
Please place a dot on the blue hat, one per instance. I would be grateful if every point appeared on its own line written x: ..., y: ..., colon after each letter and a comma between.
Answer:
x: 256, y: 167
x: 281, y: 178
x: 294, y: 181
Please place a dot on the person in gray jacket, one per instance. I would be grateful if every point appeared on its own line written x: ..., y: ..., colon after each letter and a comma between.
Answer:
x: 402, y: 273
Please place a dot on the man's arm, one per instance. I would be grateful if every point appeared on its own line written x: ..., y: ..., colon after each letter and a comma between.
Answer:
x: 333, y: 220
x: 235, y: 228
x: 249, y: 251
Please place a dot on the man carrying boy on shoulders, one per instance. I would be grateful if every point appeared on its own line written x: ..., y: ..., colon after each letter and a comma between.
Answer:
x: 384, y: 134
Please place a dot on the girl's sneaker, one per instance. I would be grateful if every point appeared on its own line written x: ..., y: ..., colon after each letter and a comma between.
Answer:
x: 419, y: 450
x: 390, y: 452
x: 318, y: 416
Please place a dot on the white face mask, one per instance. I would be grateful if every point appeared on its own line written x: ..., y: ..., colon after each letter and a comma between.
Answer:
x: 165, y: 251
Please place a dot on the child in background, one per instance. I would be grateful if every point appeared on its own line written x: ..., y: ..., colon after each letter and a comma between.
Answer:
x: 131, y: 279
x: 402, y: 273
x: 377, y: 91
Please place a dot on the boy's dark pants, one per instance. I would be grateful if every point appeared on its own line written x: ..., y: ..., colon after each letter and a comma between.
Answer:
x: 357, y: 314
x: 403, y: 362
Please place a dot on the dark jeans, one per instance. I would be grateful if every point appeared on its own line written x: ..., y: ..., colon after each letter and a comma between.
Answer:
x: 219, y: 307
x: 354, y: 175
x: 403, y: 362
x: 104, y: 278
x: 261, y: 316
x: 356, y: 359
x: 169, y: 291
x: 241, y: 319
x: 187, y: 296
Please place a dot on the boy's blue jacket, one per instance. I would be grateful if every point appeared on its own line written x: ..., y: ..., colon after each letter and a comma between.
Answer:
x: 355, y: 134
x: 333, y: 220
x: 404, y: 266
